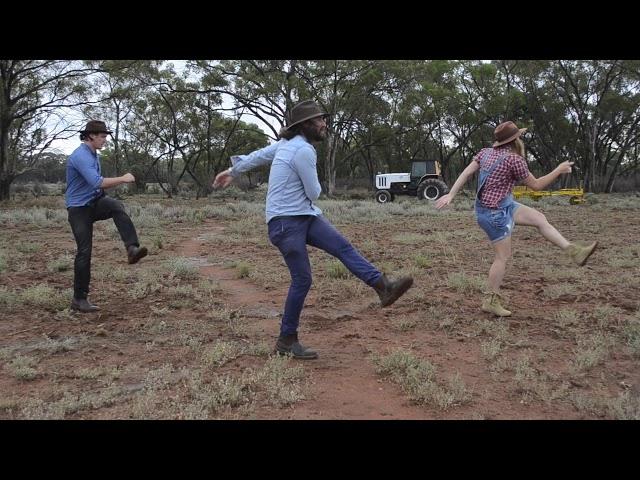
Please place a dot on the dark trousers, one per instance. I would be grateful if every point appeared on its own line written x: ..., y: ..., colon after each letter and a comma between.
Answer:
x: 81, y: 220
x: 292, y: 235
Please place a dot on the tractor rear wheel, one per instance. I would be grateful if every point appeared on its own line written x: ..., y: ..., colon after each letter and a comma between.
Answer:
x: 432, y: 189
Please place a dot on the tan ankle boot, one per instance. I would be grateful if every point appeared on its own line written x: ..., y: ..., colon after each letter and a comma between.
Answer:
x: 580, y: 254
x: 492, y: 303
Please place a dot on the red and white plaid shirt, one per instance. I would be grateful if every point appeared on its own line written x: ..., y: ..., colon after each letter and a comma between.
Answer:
x: 512, y: 170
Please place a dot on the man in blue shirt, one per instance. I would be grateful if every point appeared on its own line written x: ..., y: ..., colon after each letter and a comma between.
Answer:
x: 87, y: 203
x: 295, y: 222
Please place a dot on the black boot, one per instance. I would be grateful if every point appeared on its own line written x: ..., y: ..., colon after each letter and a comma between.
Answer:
x: 289, y: 345
x: 134, y: 253
x: 389, y: 292
x: 83, y: 305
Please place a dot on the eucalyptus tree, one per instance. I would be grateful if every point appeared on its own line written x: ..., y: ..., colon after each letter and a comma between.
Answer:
x: 385, y: 113
x: 220, y: 132
x: 471, y: 98
x: 601, y: 98
x: 366, y: 147
x: 551, y: 139
x: 216, y: 138
x: 442, y: 107
x: 263, y: 89
x: 165, y: 116
x: 119, y: 84
x: 348, y: 90
x: 33, y: 97
x: 266, y: 89
x: 141, y: 151
x: 586, y: 111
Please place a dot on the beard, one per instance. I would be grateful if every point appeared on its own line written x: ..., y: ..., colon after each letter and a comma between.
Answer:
x: 313, y: 133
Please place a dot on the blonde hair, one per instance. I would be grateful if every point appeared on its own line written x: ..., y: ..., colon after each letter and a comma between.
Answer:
x: 518, y: 147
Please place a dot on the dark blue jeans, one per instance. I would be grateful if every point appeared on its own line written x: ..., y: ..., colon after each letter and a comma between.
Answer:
x: 81, y: 220
x: 292, y: 235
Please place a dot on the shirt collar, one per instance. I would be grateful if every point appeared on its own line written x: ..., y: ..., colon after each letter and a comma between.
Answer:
x: 95, y: 154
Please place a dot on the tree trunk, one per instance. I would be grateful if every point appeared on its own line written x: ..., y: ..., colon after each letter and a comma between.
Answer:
x: 5, y: 185
x: 330, y: 166
x: 6, y: 167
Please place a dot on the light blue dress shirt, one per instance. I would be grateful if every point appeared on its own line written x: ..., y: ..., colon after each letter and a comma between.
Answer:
x: 293, y: 179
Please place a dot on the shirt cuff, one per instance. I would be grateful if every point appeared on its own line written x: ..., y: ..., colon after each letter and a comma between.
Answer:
x: 234, y: 160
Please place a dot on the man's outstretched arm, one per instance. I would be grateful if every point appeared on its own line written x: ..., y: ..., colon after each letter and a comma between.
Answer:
x: 245, y: 163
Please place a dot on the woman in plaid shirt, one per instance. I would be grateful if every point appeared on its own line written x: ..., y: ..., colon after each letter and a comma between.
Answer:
x: 500, y: 168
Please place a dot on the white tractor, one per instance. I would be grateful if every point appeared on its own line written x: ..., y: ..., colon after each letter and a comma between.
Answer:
x: 424, y: 181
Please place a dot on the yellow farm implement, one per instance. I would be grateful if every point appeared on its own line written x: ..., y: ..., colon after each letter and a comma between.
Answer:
x: 576, y: 195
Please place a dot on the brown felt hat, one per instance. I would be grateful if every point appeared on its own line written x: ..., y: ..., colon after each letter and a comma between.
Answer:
x: 303, y: 111
x: 506, y: 132
x: 95, y: 126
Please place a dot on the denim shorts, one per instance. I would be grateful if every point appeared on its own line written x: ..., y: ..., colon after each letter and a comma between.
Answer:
x: 498, y: 222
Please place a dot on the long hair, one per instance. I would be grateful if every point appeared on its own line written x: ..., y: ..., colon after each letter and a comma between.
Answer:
x: 517, y: 146
x: 289, y: 133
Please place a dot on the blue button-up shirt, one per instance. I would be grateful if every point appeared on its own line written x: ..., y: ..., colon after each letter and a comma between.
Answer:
x: 293, y: 179
x: 83, y: 177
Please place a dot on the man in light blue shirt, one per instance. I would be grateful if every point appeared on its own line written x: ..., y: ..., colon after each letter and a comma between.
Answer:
x: 295, y: 222
x: 87, y: 203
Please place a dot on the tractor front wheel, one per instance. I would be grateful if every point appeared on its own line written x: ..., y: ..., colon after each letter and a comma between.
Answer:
x: 383, y: 196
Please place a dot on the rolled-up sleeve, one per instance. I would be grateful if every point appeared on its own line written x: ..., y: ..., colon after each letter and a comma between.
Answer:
x: 519, y: 167
x: 304, y: 162
x: 258, y: 158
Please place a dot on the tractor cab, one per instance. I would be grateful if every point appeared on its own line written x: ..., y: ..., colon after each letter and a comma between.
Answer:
x: 423, y: 168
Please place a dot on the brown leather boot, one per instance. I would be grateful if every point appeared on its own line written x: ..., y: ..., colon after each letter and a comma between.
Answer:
x: 580, y: 254
x: 492, y: 303
x: 389, y: 291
